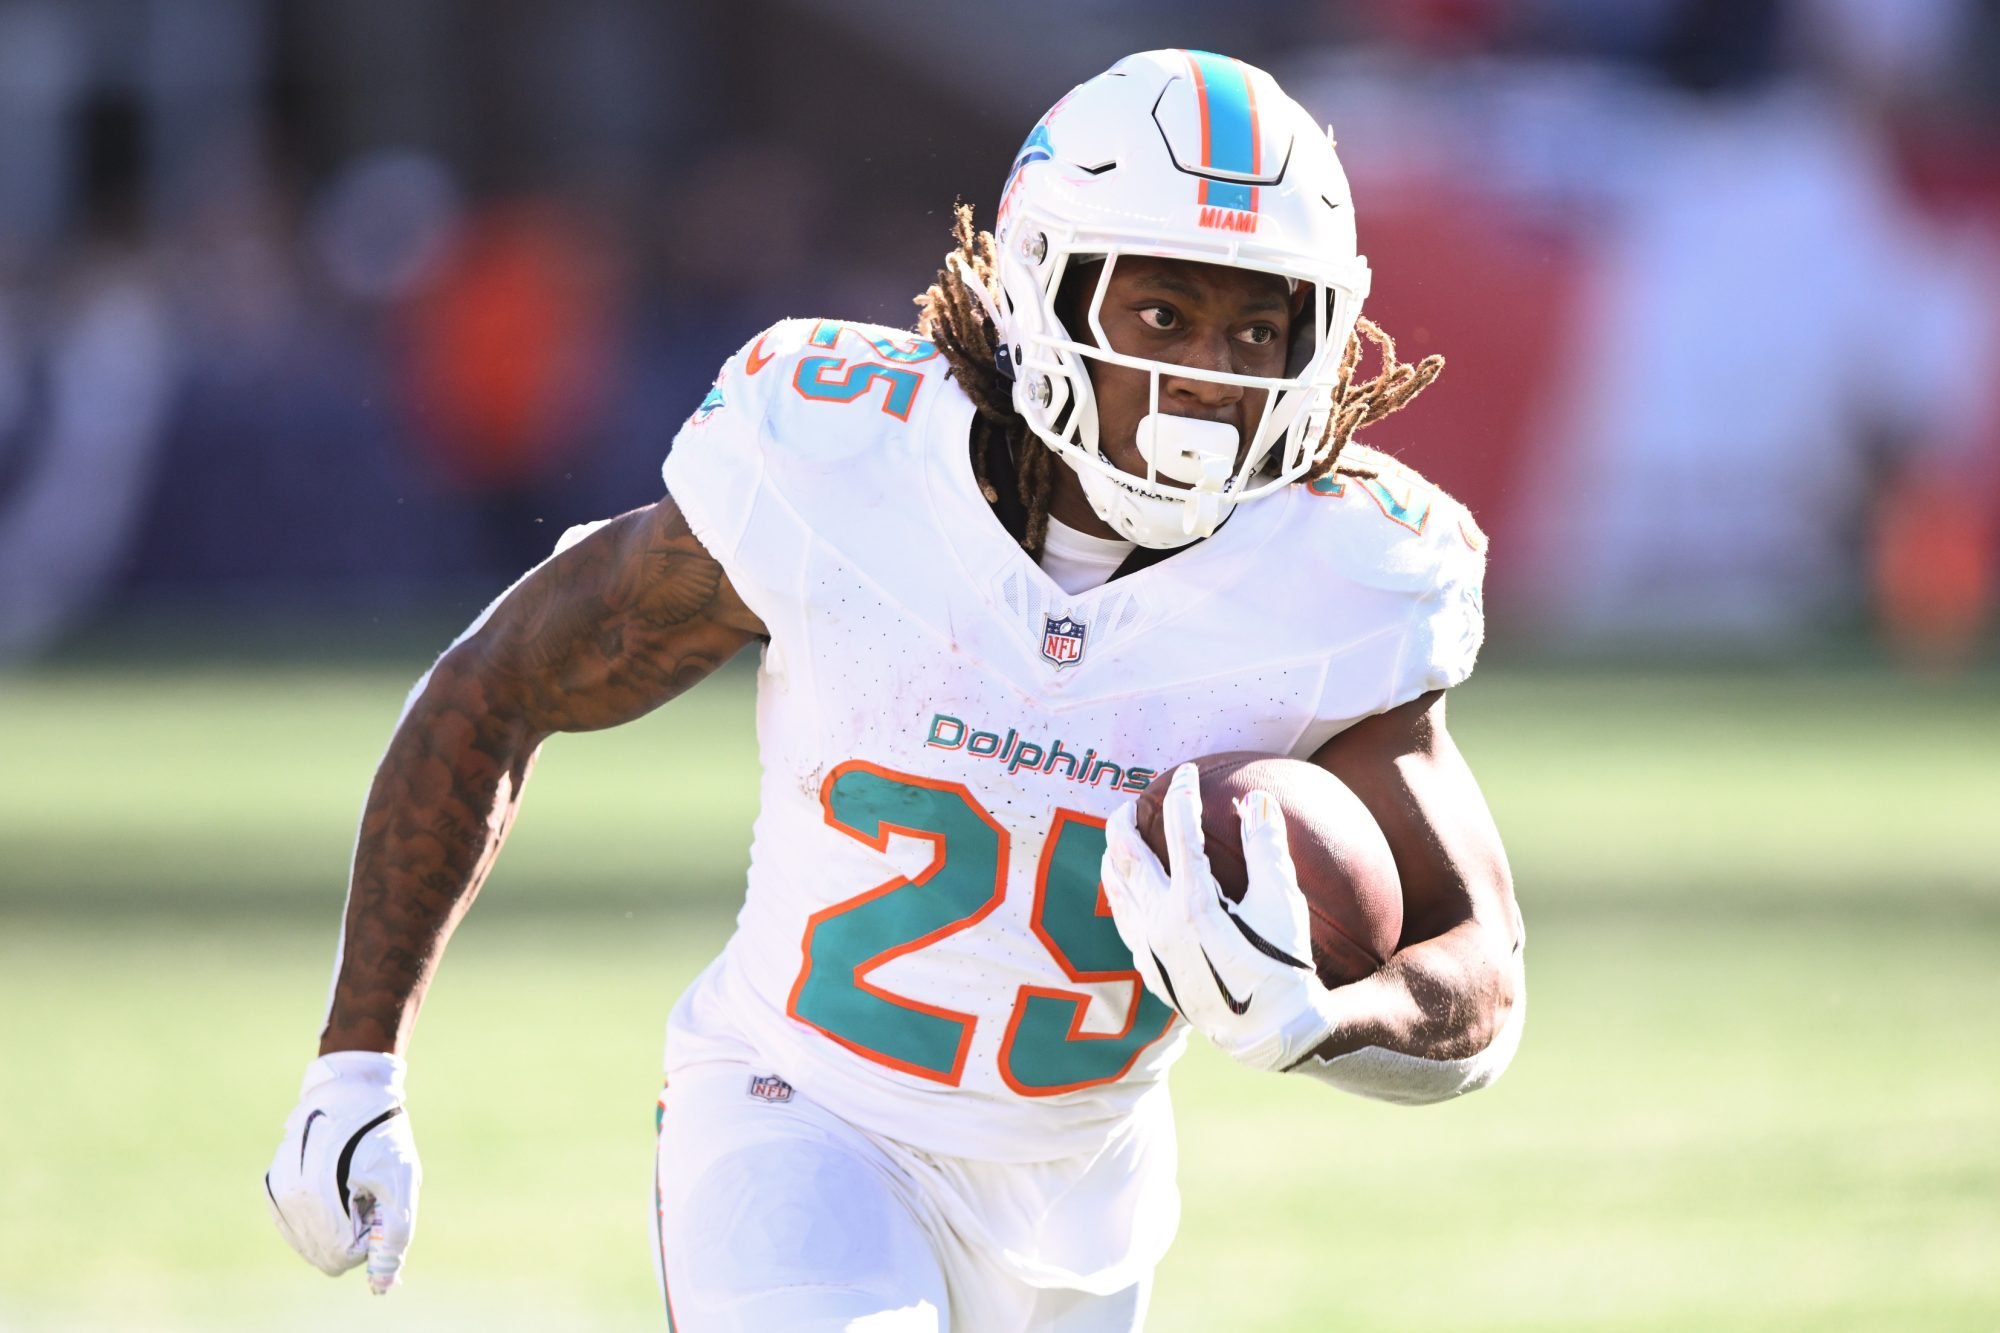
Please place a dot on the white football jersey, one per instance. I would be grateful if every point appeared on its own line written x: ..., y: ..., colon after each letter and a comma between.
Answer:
x: 924, y: 946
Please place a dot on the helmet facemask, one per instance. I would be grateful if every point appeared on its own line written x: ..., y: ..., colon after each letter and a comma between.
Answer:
x: 1196, y: 470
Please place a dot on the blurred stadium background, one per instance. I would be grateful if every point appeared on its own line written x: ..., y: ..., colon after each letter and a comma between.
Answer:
x: 320, y: 319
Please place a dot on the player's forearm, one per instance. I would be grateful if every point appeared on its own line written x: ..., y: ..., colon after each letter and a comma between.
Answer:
x: 440, y: 807
x: 1444, y: 998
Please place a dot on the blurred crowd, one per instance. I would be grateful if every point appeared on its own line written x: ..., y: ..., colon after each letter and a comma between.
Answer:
x: 332, y: 306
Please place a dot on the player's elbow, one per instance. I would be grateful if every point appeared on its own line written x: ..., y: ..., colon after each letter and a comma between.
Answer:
x: 467, y: 699
x: 1496, y: 1026
x: 1500, y: 999
x: 1503, y: 1022
x: 1409, y: 1080
x: 1491, y: 992
x: 1486, y: 1036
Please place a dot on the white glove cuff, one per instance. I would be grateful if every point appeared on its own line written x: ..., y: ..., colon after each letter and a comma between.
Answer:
x: 1298, y: 1036
x: 376, y: 1069
x: 1409, y: 1080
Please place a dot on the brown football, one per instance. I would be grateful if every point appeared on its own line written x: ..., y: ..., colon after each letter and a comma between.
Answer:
x: 1353, y: 896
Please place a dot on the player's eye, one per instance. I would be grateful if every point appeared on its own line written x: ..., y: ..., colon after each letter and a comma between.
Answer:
x: 1159, y: 317
x: 1259, y: 335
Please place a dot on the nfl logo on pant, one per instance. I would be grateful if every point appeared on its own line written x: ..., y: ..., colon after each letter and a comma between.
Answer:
x: 770, y: 1088
x: 1062, y: 640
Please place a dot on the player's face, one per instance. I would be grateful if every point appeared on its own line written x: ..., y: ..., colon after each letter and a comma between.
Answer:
x: 1203, y: 316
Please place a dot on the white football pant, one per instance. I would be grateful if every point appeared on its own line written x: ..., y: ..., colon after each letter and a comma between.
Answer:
x: 773, y: 1213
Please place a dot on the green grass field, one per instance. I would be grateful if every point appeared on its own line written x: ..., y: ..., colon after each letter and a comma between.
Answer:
x: 1759, y: 1088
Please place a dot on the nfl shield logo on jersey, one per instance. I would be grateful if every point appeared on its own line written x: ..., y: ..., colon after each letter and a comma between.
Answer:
x: 770, y: 1088
x: 1062, y: 640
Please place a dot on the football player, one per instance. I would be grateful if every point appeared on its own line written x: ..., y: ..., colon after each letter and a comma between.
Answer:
x: 1097, y: 516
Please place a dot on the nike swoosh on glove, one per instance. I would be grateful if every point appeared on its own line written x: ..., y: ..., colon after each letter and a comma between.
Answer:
x: 343, y: 1185
x: 1239, y: 972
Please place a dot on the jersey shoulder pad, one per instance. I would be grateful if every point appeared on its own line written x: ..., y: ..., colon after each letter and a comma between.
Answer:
x: 838, y: 387
x: 802, y: 394
x: 823, y: 386
x: 1388, y: 527
x: 741, y: 398
x: 716, y: 463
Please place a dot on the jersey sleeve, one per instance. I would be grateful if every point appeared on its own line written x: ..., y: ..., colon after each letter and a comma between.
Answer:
x: 1448, y: 622
x: 1419, y: 562
x: 717, y: 463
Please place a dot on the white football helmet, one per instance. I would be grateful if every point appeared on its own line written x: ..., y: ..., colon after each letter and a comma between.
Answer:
x: 1182, y: 155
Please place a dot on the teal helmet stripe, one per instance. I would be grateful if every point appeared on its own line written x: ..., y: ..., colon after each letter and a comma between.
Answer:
x: 1229, y: 129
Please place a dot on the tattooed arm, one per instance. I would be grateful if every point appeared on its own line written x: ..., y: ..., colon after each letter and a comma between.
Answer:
x: 629, y: 617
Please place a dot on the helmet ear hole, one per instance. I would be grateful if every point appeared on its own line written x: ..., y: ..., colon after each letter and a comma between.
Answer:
x: 1313, y: 322
x: 1299, y: 355
x: 1060, y: 403
x: 1072, y: 297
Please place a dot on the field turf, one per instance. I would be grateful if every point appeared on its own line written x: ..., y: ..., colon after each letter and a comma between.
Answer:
x: 1759, y: 1088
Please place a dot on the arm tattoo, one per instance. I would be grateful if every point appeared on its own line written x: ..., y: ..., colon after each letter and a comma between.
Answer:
x: 603, y: 633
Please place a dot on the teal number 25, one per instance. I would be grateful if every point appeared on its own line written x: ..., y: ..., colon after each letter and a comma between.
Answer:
x: 1044, y: 1051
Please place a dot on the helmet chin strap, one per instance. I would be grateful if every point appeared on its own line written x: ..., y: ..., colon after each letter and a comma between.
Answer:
x: 1199, y: 454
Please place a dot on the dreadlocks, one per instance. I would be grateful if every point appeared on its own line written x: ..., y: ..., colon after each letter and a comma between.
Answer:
x: 1364, y: 404
x: 952, y: 316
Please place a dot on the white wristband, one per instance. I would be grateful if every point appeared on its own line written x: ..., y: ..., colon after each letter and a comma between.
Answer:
x: 371, y: 1068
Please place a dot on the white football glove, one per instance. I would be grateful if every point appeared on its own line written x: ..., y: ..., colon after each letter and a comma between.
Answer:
x: 343, y: 1186
x: 1241, y: 973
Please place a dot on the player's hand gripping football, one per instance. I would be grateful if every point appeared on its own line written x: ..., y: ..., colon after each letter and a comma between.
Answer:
x: 343, y: 1186
x: 1241, y: 973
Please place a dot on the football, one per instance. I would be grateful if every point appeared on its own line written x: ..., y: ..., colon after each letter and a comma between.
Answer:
x: 1353, y: 896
